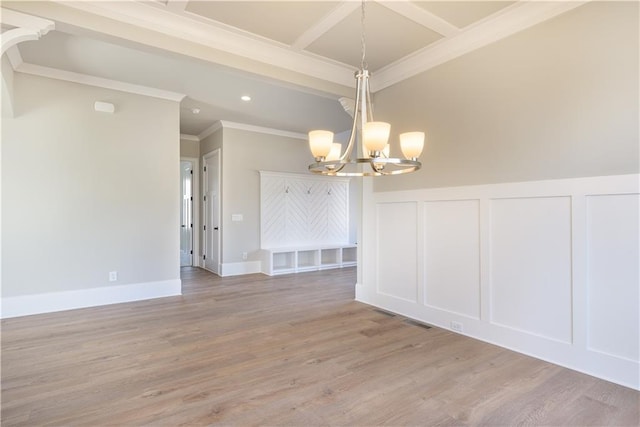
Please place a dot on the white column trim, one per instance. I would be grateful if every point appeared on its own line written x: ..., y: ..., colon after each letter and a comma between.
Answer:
x: 28, y: 27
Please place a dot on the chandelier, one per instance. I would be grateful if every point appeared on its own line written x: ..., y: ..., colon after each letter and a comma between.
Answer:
x: 373, y: 139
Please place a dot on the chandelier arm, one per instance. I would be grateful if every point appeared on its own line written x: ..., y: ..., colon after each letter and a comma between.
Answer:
x: 369, y: 101
x: 364, y: 111
x: 352, y: 138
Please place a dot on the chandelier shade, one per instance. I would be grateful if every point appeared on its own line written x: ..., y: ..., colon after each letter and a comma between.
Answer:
x: 411, y: 144
x: 375, y: 136
x: 371, y: 136
x: 320, y: 143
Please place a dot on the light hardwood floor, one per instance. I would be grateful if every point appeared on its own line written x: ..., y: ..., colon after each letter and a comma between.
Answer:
x: 288, y: 350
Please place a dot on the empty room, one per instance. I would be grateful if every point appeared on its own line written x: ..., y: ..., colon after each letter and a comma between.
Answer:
x: 361, y: 213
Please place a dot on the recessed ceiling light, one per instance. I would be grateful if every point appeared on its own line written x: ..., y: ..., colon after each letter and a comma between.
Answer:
x: 245, y: 98
x: 195, y: 110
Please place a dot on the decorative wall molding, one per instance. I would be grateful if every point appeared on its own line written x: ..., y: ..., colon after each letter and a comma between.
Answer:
x: 299, y: 210
x: 69, y: 76
x: 545, y: 268
x: 25, y: 305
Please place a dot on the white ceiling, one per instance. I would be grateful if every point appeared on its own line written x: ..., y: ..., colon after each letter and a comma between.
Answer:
x: 294, y: 58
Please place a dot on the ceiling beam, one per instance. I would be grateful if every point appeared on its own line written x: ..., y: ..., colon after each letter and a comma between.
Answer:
x: 329, y: 21
x: 421, y: 16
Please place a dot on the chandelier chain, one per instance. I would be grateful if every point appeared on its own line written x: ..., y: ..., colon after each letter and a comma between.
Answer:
x: 363, y: 62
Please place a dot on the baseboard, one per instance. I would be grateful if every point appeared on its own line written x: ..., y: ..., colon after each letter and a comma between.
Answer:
x: 240, y: 268
x: 26, y: 305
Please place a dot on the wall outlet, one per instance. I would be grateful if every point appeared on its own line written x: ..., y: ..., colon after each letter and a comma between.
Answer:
x: 456, y: 326
x: 244, y: 255
x: 113, y: 276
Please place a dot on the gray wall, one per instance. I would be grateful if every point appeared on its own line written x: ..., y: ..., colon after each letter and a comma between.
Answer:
x: 558, y: 100
x: 244, y: 154
x: 85, y: 193
x: 189, y: 148
x: 211, y: 142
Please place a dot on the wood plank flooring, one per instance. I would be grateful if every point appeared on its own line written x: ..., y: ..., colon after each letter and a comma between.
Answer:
x: 288, y: 350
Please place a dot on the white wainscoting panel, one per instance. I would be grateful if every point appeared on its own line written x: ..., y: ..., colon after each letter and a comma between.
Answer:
x: 613, y: 276
x: 397, y: 250
x: 452, y: 256
x: 531, y: 265
x: 547, y: 268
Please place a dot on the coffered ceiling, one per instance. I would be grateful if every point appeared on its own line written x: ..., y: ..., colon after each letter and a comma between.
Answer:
x: 294, y: 50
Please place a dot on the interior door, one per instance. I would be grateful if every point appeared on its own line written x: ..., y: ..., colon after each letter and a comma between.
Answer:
x: 211, y: 227
x: 186, y: 213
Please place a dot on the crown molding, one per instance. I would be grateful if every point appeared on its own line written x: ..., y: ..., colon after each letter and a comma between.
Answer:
x: 512, y: 19
x: 250, y: 128
x: 260, y: 129
x: 69, y: 76
x: 210, y: 130
x: 187, y: 137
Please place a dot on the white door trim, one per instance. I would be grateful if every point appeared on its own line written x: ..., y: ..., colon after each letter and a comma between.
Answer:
x: 196, y: 208
x: 212, y: 153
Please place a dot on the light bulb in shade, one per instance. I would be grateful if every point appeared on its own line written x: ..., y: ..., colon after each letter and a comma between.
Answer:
x: 320, y: 143
x: 411, y: 144
x: 375, y: 136
x: 334, y: 154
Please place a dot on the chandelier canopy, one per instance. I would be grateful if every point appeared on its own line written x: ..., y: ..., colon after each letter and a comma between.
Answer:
x: 372, y: 136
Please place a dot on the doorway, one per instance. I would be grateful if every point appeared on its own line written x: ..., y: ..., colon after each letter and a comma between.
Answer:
x: 189, y: 213
x: 211, y: 225
x: 186, y: 213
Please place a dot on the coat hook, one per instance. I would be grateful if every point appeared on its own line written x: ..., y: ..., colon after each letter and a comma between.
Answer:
x: 287, y: 190
x: 329, y: 192
x: 308, y: 190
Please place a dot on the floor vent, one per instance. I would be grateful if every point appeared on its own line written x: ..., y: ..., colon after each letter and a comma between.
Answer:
x: 414, y: 323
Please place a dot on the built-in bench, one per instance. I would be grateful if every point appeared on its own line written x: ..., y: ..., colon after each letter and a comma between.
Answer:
x: 308, y: 258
